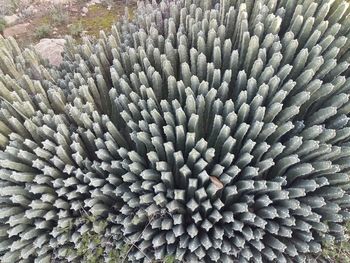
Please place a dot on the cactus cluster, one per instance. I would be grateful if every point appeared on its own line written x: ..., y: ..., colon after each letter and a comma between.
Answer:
x: 211, y: 131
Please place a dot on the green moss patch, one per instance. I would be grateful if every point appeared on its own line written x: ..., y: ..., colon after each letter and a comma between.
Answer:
x: 98, y: 18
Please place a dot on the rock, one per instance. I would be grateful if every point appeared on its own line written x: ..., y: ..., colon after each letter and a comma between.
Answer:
x: 16, y: 30
x: 85, y: 10
x: 11, y: 20
x: 51, y: 49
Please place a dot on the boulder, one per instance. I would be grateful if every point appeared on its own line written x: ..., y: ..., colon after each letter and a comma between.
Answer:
x: 11, y: 20
x: 51, y: 49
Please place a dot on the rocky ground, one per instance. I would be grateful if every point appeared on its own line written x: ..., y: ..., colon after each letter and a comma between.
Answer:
x: 44, y: 23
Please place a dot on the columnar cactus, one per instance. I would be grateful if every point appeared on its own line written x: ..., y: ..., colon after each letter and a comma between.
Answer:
x: 212, y: 131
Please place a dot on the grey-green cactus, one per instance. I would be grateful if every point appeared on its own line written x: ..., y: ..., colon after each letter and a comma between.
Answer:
x: 210, y: 131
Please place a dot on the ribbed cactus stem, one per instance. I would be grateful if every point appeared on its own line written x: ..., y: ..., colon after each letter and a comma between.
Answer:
x: 208, y: 131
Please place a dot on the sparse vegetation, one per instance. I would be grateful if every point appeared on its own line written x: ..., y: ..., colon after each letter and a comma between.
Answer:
x: 76, y: 29
x: 169, y: 259
x: 97, y: 19
x: 15, y: 4
x: 43, y: 31
x: 337, y: 252
x: 9, y: 7
x: 92, y: 248
x: 58, y: 14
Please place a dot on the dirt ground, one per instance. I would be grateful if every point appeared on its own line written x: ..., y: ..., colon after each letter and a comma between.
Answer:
x: 46, y: 19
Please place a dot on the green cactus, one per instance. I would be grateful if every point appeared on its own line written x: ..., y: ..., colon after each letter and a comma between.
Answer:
x: 197, y: 131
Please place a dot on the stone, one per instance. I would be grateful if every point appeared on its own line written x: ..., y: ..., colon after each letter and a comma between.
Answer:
x: 11, y: 20
x: 85, y: 10
x: 16, y: 30
x: 51, y: 49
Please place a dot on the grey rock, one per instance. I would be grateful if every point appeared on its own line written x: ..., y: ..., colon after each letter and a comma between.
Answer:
x: 51, y: 49
x: 11, y: 20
